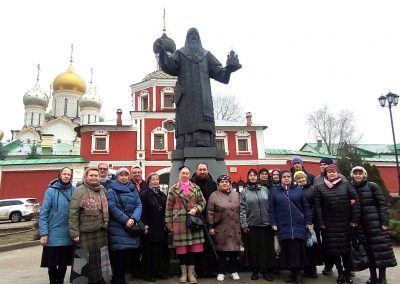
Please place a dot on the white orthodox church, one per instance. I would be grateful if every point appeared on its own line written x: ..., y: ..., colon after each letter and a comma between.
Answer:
x: 53, y: 118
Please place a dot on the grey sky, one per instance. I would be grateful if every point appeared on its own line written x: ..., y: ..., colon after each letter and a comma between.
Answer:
x: 296, y: 55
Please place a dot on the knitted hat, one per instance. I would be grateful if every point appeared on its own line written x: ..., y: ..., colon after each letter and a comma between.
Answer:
x: 326, y: 160
x: 331, y: 167
x: 121, y: 170
x: 150, y: 176
x: 299, y: 173
x: 296, y: 160
x: 359, y: 168
x: 223, y: 177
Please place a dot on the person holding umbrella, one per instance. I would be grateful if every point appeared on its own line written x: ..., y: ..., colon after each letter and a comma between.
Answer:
x: 224, y: 226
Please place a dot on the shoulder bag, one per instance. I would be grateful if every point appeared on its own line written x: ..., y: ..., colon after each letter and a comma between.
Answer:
x: 193, y: 222
x: 138, y: 228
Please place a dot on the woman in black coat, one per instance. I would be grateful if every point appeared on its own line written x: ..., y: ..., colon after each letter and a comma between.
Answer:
x: 155, y: 247
x: 374, y: 224
x: 337, y: 211
x: 314, y: 256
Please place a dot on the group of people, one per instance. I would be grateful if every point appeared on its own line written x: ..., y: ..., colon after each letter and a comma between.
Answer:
x: 291, y: 206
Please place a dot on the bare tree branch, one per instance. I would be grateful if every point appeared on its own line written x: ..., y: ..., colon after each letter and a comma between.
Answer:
x: 226, y: 107
x: 333, y: 131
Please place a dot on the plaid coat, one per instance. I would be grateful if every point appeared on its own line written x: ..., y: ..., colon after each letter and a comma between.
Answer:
x: 175, y: 214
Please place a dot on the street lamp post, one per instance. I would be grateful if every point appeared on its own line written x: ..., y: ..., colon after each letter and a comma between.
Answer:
x: 392, y: 99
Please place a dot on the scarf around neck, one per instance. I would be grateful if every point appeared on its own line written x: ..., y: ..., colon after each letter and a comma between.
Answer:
x: 95, y: 199
x: 185, y: 187
x: 331, y: 184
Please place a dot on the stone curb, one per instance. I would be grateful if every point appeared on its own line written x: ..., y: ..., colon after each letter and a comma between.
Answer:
x: 19, y: 246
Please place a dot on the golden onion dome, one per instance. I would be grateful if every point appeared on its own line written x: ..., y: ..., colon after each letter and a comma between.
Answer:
x: 1, y: 134
x: 69, y: 81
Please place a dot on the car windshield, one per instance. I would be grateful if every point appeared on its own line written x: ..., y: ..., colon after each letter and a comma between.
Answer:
x: 32, y: 201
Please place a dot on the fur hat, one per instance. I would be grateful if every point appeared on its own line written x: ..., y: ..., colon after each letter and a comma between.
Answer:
x: 359, y: 168
x: 326, y: 160
x: 296, y: 160
x: 121, y: 170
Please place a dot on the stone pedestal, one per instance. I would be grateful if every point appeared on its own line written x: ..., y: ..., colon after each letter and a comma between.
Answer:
x: 191, y: 156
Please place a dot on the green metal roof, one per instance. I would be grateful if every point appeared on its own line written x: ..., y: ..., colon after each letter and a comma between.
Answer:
x: 292, y: 152
x: 43, y: 161
x: 17, y: 148
x: 365, y: 149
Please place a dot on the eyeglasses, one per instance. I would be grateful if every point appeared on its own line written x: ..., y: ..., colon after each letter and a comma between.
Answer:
x: 136, y: 173
x: 103, y: 169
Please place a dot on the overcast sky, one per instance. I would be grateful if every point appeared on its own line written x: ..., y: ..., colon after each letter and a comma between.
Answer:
x: 296, y: 55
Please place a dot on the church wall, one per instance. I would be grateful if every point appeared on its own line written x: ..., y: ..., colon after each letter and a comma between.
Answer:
x: 26, y: 183
x: 62, y: 131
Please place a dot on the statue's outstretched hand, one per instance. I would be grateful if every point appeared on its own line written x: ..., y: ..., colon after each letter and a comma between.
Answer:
x: 232, y: 63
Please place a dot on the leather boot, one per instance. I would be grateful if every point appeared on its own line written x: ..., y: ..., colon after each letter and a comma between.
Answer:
x: 184, y: 275
x: 192, y: 274
x: 298, y: 277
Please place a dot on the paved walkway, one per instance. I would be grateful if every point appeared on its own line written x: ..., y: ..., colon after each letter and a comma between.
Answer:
x: 22, y: 266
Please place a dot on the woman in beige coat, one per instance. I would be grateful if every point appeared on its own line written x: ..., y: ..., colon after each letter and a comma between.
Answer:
x: 224, y: 225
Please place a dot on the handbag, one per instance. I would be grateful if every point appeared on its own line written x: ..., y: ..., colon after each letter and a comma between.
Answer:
x: 138, y: 227
x: 277, y: 246
x: 358, y: 254
x: 194, y: 222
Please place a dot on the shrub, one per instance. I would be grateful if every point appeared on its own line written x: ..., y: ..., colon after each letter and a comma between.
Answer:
x: 394, y: 229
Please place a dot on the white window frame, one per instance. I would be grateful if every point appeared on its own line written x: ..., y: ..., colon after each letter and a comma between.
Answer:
x: 144, y: 94
x: 100, y: 134
x: 168, y: 91
x: 159, y: 131
x: 221, y: 135
x: 246, y: 136
x: 169, y: 121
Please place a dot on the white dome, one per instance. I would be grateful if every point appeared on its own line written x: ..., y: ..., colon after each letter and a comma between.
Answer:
x: 90, y: 99
x: 36, y: 96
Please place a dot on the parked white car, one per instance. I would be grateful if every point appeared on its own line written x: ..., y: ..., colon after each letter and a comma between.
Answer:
x: 17, y: 209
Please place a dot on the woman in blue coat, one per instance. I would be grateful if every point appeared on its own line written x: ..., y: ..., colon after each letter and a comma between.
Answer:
x: 53, y: 227
x: 125, y: 209
x: 290, y: 216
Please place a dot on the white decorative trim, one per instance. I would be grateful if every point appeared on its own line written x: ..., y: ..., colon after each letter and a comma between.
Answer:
x: 142, y: 95
x: 243, y: 135
x: 219, y: 134
x: 169, y: 91
x: 100, y: 134
x: 164, y: 133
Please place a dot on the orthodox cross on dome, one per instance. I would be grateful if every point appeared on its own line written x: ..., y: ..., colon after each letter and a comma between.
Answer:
x: 164, y: 29
x: 38, y: 73
x: 72, y: 51
x: 91, y: 75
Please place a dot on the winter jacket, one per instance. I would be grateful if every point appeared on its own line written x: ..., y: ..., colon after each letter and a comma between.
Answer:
x: 53, y: 220
x: 289, y: 211
x: 254, y: 206
x: 153, y: 215
x: 178, y: 205
x: 223, y: 216
x: 207, y: 186
x: 118, y: 238
x: 374, y: 214
x: 309, y: 193
x: 85, y: 219
x: 335, y: 212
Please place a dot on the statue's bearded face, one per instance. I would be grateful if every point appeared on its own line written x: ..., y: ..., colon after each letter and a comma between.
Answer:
x: 193, y: 37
